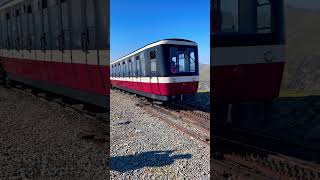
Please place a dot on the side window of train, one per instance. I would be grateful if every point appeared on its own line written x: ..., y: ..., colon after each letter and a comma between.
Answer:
x: 264, y: 16
x: 134, y: 67
x: 30, y: 23
x: 192, y: 62
x: 138, y: 72
x: 233, y: 12
x: 77, y: 30
x: 55, y: 24
x: 129, y: 67
x: 124, y: 69
x: 118, y: 70
x: 13, y: 29
x: 5, y: 35
x: 153, y: 62
x: 47, y: 43
x: 181, y: 62
x: 65, y: 36
x: 18, y: 29
x: 0, y: 36
x: 143, y: 64
x: 38, y: 29
x: 9, y: 29
x: 24, y: 27
x: 10, y: 20
x: 91, y: 24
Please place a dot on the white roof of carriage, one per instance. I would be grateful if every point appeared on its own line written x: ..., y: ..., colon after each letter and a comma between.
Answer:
x: 157, y: 43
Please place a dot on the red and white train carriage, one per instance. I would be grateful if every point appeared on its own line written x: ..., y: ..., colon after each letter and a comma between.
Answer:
x: 60, y: 46
x: 247, y: 50
x: 163, y: 70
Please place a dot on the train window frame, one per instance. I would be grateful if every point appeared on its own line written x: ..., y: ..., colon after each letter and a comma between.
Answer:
x: 143, y: 64
x: 129, y: 68
x: 176, y: 53
x: 248, y: 39
x: 1, y: 37
x: 138, y: 65
x: 152, y: 54
x: 134, y: 67
x: 153, y: 62
x: 54, y: 18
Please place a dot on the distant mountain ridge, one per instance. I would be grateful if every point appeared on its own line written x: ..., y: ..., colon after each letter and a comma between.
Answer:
x: 204, y: 73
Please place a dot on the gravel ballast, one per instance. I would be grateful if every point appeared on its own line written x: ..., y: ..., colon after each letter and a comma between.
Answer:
x: 143, y: 147
x: 43, y: 140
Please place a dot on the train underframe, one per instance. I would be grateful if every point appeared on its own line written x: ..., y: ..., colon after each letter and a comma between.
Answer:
x: 163, y: 97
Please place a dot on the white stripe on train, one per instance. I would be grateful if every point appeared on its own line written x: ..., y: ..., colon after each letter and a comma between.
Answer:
x: 175, y: 79
x: 223, y: 56
x: 69, y: 56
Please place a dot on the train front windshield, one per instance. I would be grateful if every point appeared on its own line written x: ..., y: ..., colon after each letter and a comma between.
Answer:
x: 250, y: 22
x: 183, y: 60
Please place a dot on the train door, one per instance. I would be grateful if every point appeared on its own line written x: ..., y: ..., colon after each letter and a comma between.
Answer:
x: 39, y: 41
x: 144, y: 80
x: 124, y: 73
x: 10, y: 41
x: 103, y: 28
x: 1, y: 41
x: 18, y: 39
x: 127, y: 74
x: 148, y: 87
x: 47, y: 40
x: 137, y: 73
x: 89, y: 39
x: 154, y: 80
x: 79, y: 44
x: 15, y: 42
x: 63, y: 42
x: 130, y: 85
x: 24, y: 39
x: 57, y: 67
x: 32, y: 40
x: 5, y: 38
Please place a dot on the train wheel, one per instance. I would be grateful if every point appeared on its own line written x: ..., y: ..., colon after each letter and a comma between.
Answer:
x: 3, y: 77
x: 218, y: 124
x: 267, y: 112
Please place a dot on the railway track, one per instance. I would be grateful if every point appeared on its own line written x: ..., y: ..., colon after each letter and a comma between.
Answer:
x: 196, y: 122
x: 268, y: 156
x: 247, y: 155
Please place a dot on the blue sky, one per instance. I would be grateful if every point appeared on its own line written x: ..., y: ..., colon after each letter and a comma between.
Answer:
x: 135, y: 23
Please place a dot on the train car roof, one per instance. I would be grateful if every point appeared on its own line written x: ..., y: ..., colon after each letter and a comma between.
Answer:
x: 175, y: 41
x: 7, y: 3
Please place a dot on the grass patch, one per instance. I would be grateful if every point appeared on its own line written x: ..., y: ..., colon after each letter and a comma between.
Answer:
x: 203, y: 91
x: 298, y: 93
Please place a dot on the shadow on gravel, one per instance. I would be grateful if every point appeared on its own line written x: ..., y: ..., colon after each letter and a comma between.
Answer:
x: 146, y: 159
